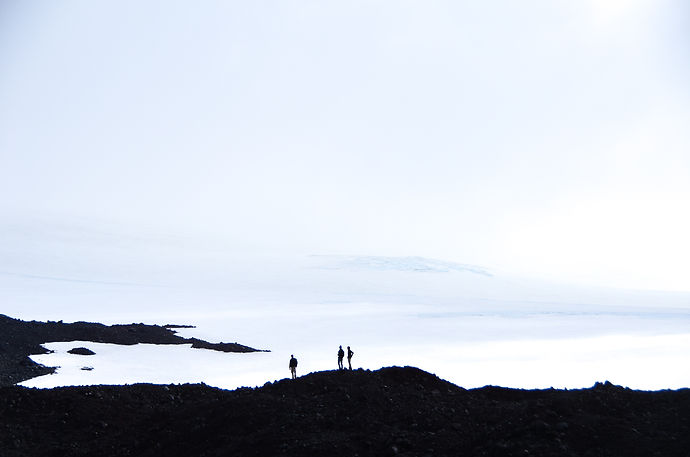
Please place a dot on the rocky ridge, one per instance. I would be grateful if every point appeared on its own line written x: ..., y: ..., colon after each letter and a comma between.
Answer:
x: 389, y: 412
x: 19, y: 339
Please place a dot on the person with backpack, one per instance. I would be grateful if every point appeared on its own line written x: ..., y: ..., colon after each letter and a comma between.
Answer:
x: 293, y: 366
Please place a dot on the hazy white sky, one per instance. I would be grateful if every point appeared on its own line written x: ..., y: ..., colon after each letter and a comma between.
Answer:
x: 549, y: 138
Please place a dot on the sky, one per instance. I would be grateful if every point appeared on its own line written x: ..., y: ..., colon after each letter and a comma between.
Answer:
x: 544, y: 138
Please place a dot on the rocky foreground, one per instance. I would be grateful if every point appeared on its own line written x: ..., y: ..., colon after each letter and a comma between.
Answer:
x: 388, y: 412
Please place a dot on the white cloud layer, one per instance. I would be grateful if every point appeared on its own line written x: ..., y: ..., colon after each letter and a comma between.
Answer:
x: 546, y: 137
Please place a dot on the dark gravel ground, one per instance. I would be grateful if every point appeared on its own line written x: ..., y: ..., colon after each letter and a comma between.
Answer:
x: 389, y: 412
x: 392, y: 411
x: 19, y: 339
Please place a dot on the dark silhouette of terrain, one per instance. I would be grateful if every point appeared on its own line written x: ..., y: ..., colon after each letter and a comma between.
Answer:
x: 19, y: 339
x: 81, y: 351
x: 388, y: 412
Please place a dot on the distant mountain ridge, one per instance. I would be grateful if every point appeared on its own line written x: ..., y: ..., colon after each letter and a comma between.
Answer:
x: 386, y: 263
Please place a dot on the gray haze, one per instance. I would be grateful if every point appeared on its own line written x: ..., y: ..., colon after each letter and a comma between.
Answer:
x: 544, y: 138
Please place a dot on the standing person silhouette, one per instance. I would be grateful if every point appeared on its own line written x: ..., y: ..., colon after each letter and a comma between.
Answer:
x: 341, y: 354
x: 349, y: 357
x: 293, y: 366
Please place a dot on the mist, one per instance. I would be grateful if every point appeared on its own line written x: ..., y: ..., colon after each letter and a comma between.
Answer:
x: 548, y: 139
x: 493, y: 168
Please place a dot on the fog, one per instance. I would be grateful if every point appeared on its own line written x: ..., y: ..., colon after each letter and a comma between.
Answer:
x: 467, y: 323
x: 427, y: 162
x: 546, y: 138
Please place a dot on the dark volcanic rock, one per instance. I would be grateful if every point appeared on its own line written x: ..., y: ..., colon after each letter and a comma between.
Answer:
x: 389, y: 412
x: 223, y: 347
x: 19, y: 339
x: 81, y: 351
x: 392, y: 411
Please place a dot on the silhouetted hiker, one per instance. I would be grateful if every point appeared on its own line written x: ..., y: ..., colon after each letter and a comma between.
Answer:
x: 341, y: 354
x: 293, y: 366
x: 349, y: 357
